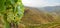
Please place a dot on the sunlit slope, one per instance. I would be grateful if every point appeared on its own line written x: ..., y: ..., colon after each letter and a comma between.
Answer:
x: 33, y: 15
x: 34, y: 18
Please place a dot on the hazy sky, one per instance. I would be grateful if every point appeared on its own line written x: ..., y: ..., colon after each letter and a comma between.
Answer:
x: 41, y: 3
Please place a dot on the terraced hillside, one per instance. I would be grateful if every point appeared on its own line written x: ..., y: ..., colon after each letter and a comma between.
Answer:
x: 35, y: 18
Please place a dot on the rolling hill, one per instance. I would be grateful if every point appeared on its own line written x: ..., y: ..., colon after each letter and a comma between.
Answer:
x: 35, y: 18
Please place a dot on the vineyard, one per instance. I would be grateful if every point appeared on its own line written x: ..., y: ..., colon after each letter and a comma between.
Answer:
x: 34, y: 18
x: 14, y: 15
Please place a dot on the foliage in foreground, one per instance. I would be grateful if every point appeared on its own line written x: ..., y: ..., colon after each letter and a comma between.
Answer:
x: 11, y: 11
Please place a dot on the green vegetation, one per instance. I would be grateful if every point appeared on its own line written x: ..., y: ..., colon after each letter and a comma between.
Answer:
x: 11, y: 11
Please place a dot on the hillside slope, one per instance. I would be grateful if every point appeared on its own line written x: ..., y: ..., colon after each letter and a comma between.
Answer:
x: 34, y: 18
x: 34, y: 15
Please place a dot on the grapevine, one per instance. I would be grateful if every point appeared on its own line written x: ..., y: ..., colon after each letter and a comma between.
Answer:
x: 11, y: 12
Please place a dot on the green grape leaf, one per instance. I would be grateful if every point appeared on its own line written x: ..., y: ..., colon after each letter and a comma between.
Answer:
x: 2, y: 6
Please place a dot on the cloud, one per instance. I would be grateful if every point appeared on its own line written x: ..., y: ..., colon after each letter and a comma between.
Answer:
x: 40, y: 3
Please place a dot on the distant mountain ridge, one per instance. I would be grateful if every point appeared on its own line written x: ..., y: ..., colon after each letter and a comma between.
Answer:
x: 50, y: 9
x: 47, y: 8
